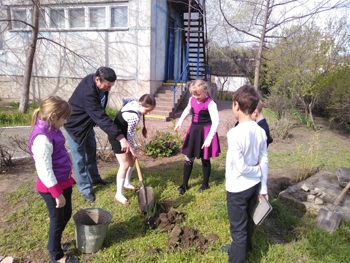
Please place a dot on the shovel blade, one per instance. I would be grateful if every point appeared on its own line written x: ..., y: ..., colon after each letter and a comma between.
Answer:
x: 328, y: 220
x: 145, y: 198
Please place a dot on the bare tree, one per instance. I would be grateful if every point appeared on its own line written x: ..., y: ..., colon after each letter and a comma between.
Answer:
x: 23, y: 105
x: 261, y: 20
x: 51, y: 46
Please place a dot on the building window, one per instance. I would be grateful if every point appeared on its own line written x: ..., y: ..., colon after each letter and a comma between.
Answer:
x: 76, y: 18
x: 97, y: 17
x: 42, y: 22
x: 57, y: 18
x: 1, y: 41
x: 19, y: 16
x: 119, y: 16
x: 66, y: 18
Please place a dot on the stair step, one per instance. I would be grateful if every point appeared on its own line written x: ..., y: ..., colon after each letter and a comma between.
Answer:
x: 199, y: 41
x: 164, y: 107
x: 157, y: 117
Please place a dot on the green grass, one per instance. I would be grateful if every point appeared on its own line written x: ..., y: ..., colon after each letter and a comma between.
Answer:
x: 9, y: 115
x: 288, y: 235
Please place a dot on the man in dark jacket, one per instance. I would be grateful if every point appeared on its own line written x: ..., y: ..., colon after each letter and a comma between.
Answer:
x: 88, y: 103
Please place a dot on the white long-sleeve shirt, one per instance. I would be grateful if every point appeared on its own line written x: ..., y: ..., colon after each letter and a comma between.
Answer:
x: 132, y: 118
x: 246, y: 148
x: 42, y: 149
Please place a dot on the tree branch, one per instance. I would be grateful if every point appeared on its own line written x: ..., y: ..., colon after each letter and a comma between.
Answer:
x: 78, y: 55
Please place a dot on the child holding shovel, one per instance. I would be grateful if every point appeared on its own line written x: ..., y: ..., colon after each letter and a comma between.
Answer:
x: 54, y: 167
x: 127, y: 119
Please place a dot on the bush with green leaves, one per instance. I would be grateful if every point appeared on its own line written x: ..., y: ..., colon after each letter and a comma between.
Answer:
x: 112, y: 113
x: 163, y: 144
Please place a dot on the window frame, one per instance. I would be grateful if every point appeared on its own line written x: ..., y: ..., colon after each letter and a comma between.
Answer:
x: 45, y: 11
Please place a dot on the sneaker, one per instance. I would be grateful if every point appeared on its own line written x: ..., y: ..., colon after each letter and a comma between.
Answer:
x: 226, y: 248
x: 89, y: 197
x: 202, y: 188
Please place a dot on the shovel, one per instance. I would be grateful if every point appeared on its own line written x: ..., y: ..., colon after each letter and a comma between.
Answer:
x: 144, y: 194
x: 330, y: 220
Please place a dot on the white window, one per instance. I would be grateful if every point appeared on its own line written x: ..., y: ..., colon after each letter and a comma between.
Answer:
x: 20, y: 15
x: 80, y: 17
x: 1, y: 41
x: 42, y: 22
x: 76, y: 18
x: 57, y: 18
x: 119, y: 16
x: 97, y: 17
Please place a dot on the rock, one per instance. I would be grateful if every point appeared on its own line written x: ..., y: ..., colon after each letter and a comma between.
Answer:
x: 310, y: 198
x: 343, y: 175
x: 9, y: 260
x: 290, y: 190
x: 305, y: 187
x: 318, y: 201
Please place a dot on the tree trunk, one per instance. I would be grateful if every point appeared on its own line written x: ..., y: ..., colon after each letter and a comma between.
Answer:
x: 23, y: 104
x: 261, y: 46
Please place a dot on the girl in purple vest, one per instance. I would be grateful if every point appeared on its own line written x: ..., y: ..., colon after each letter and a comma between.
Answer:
x: 201, y: 139
x: 54, y: 168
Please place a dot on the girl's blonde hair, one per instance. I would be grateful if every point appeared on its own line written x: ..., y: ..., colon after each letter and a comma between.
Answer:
x: 199, y: 85
x: 51, y: 105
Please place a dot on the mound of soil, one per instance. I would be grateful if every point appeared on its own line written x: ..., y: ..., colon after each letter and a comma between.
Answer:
x: 179, y: 237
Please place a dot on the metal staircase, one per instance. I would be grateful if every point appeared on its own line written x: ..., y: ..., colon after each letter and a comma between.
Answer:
x: 171, y: 94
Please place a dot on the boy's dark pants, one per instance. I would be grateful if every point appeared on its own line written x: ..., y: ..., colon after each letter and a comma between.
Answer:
x: 241, y: 223
x: 59, y: 218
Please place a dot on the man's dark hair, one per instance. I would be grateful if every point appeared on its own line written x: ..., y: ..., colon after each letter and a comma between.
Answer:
x: 247, y: 98
x: 105, y: 73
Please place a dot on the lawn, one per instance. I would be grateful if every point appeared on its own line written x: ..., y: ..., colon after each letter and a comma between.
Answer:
x: 287, y: 235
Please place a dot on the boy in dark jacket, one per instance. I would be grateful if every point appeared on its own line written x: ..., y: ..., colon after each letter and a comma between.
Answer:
x: 261, y: 121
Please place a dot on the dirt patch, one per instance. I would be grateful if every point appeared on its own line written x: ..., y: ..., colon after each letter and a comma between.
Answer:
x: 179, y: 237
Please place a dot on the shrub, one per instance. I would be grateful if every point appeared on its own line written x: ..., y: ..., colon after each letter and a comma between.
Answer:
x: 279, y: 129
x: 307, y: 158
x: 163, y: 144
x: 111, y: 112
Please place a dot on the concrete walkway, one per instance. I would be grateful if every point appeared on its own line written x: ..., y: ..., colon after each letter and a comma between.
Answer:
x: 21, y: 133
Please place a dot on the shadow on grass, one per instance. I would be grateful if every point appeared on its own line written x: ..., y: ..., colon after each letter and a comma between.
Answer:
x: 280, y: 227
x: 172, y: 171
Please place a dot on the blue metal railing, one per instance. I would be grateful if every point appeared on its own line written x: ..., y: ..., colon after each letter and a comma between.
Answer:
x: 181, y: 79
x: 203, y: 71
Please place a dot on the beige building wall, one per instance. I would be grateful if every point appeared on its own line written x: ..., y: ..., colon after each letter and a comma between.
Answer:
x: 137, y: 54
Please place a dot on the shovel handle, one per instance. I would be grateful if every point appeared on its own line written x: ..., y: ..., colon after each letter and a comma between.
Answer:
x: 342, y: 193
x: 138, y: 170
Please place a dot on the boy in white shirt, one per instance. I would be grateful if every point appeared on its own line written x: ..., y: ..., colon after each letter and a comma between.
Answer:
x: 246, y: 171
